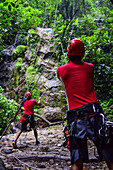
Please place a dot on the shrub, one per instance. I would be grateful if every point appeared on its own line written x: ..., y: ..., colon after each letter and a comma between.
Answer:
x: 7, y: 109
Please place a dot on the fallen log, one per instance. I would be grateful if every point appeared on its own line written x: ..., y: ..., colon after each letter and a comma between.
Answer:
x: 55, y: 123
x: 39, y: 157
x: 45, y: 120
x: 43, y: 158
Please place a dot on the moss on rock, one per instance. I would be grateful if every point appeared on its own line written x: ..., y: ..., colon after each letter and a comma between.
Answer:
x: 19, y: 64
x: 19, y: 51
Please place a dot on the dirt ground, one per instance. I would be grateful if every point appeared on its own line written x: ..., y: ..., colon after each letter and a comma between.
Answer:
x: 49, y: 154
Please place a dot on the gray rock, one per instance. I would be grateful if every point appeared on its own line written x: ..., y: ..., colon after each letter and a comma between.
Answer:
x: 52, y: 114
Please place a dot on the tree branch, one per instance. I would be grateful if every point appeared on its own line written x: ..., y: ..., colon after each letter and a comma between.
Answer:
x: 45, y: 120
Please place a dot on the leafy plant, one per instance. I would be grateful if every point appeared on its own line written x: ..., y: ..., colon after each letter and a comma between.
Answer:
x: 7, y: 109
x: 19, y: 64
x: 19, y: 50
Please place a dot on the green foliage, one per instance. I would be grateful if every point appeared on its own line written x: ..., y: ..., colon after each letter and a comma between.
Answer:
x: 36, y: 63
x: 32, y: 82
x: 30, y: 72
x: 19, y: 50
x: 108, y: 108
x: 99, y: 49
x: 17, y: 15
x: 19, y: 64
x: 7, y: 109
x: 36, y: 93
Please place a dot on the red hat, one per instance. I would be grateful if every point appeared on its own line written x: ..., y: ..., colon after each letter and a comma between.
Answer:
x: 28, y: 95
x: 75, y: 47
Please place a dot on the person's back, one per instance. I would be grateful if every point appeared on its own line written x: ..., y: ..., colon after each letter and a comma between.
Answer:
x: 79, y: 84
x: 29, y: 106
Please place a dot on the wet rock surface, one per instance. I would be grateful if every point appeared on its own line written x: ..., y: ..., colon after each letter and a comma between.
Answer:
x: 50, y: 145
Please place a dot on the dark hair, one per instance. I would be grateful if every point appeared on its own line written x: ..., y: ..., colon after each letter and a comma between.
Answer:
x: 75, y: 57
x: 29, y: 98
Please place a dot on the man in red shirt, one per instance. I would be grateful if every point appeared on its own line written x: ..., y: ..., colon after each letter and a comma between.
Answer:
x: 83, y: 110
x: 28, y: 117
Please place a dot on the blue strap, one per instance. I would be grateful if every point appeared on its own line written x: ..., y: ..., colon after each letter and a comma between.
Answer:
x: 24, y: 99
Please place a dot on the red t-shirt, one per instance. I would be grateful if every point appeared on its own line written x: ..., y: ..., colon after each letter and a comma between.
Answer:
x: 78, y: 80
x: 29, y: 106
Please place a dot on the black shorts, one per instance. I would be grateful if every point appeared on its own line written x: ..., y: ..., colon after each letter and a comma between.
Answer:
x: 83, y: 129
x: 29, y: 119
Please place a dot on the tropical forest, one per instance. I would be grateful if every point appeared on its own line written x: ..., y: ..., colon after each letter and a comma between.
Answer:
x: 34, y: 35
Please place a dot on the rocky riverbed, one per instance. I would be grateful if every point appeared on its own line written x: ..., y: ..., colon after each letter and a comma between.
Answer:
x: 49, y: 154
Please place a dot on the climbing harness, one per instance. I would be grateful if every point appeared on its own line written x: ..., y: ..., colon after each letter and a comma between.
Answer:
x: 103, y: 129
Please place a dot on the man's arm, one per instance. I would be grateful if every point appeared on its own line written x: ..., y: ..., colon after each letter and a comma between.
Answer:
x: 37, y: 103
x: 58, y: 73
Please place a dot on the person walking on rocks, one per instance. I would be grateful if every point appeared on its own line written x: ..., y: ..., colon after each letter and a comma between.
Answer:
x: 84, y: 113
x: 28, y: 117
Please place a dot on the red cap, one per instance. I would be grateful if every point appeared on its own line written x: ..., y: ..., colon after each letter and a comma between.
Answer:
x: 75, y: 47
x: 28, y: 95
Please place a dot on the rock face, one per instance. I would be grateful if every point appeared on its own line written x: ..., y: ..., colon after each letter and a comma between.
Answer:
x: 6, y: 66
x: 51, y: 113
x: 53, y: 96
x: 38, y: 65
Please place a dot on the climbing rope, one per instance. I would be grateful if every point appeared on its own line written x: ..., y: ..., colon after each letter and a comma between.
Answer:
x: 37, y: 71
x: 21, y: 104
x: 55, y: 17
x: 13, y: 44
x: 14, y: 88
x: 25, y: 164
x: 60, y: 43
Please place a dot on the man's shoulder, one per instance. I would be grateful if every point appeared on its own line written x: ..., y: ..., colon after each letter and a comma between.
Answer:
x: 31, y: 100
x: 62, y: 67
x: 88, y: 64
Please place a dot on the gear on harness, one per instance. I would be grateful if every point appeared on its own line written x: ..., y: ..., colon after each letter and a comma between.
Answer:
x: 68, y: 130
x: 106, y: 129
x: 22, y: 119
x: 104, y: 134
x: 66, y: 137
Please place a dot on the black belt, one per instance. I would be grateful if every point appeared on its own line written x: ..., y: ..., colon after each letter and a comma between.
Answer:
x: 82, y: 112
x: 28, y: 116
